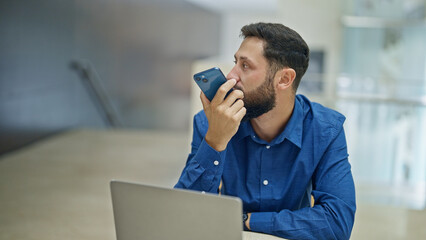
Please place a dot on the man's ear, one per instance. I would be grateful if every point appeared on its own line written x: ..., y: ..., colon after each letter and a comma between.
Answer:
x: 286, y: 78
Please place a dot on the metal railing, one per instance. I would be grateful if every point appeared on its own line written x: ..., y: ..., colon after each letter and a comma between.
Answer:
x: 97, y: 92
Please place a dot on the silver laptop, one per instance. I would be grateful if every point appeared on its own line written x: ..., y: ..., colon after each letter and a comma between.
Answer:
x: 155, y: 213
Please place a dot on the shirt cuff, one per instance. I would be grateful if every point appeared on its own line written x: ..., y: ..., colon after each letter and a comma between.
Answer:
x: 209, y: 158
x: 262, y: 221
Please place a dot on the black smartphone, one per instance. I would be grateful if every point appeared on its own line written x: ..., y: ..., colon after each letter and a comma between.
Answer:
x: 209, y: 81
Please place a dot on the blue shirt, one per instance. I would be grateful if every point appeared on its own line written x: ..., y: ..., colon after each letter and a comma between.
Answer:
x: 275, y: 180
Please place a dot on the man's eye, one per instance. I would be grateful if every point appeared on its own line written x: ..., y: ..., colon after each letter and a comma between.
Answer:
x: 245, y: 65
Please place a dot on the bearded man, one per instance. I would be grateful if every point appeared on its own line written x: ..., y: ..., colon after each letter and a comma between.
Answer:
x: 283, y: 155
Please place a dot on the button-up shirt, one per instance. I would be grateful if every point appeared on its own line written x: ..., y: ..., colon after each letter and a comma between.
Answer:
x: 275, y: 180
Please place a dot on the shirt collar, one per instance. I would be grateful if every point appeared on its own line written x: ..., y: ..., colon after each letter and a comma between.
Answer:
x: 292, y: 132
x: 294, y: 129
x: 244, y: 130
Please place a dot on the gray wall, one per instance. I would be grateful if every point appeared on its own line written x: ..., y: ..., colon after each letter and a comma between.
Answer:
x: 142, y: 52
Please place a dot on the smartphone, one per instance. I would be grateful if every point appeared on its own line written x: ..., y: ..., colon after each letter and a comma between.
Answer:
x: 209, y: 81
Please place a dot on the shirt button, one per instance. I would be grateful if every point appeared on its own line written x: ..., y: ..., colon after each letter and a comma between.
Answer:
x: 265, y: 182
x: 216, y: 162
x: 268, y: 147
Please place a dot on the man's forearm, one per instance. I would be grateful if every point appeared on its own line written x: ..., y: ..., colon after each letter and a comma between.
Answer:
x: 306, y: 223
x: 203, y: 170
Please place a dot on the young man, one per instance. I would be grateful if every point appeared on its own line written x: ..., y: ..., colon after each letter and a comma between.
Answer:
x: 284, y: 156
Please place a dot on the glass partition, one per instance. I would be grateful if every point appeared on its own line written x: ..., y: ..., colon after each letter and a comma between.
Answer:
x: 381, y: 89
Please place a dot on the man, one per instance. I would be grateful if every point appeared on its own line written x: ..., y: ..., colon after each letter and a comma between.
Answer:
x: 275, y: 150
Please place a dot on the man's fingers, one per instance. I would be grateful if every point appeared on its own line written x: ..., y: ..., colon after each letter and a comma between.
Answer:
x: 223, y: 90
x: 233, y: 96
x: 204, y: 100
x: 241, y: 113
x: 237, y: 106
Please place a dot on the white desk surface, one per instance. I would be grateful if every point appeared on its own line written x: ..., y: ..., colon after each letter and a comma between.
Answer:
x: 259, y: 236
x: 59, y: 188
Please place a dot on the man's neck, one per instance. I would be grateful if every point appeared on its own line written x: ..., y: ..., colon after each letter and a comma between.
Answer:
x: 272, y: 123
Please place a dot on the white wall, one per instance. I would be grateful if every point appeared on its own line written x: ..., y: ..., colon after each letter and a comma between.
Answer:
x: 318, y: 23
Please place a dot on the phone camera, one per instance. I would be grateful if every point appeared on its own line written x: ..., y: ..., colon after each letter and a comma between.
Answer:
x: 197, y: 78
x: 205, y: 80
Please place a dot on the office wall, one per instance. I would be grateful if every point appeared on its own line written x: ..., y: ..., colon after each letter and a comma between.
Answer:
x: 140, y: 51
x: 38, y: 92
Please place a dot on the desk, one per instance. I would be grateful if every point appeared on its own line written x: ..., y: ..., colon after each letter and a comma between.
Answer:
x: 259, y: 236
x: 59, y: 188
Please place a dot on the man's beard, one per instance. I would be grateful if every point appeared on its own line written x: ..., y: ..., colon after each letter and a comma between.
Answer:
x: 260, y: 100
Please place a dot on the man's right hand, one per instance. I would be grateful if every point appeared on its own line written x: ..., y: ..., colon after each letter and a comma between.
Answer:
x: 224, y: 115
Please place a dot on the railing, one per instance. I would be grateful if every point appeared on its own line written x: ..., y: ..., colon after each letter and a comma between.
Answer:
x: 97, y: 92
x: 386, y: 135
x: 386, y: 142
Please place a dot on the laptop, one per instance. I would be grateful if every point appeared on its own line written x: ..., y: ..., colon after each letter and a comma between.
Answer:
x: 155, y: 213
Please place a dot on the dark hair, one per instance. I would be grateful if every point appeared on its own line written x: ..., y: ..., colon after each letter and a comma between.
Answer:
x: 284, y: 47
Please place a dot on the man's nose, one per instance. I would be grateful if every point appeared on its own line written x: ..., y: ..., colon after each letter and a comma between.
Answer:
x: 233, y: 74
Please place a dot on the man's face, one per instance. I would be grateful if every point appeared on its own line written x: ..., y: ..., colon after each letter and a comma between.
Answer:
x: 254, y: 78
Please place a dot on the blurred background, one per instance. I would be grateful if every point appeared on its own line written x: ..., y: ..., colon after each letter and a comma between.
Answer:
x: 105, y: 84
